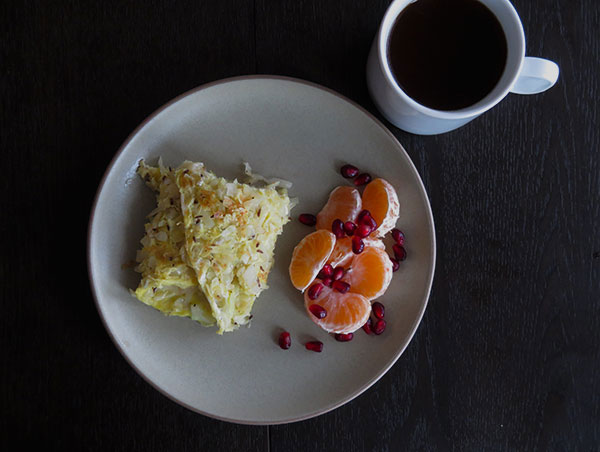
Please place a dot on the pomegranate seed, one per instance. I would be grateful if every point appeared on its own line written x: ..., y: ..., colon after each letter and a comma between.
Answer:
x: 363, y: 231
x: 328, y: 281
x: 337, y: 228
x: 379, y: 327
x: 398, y: 236
x: 318, y: 311
x: 349, y: 227
x: 357, y: 245
x: 341, y: 286
x: 314, y: 346
x: 368, y: 220
x: 325, y: 272
x: 285, y: 341
x: 395, y: 264
x: 378, y: 310
x: 362, y: 179
x: 367, y: 327
x: 399, y: 252
x: 314, y: 291
x: 308, y: 219
x: 338, y: 273
x: 340, y: 337
x: 361, y: 215
x: 349, y: 171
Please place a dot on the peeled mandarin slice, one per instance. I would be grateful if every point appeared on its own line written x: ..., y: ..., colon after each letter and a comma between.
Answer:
x: 309, y: 256
x: 370, y: 273
x: 344, y: 203
x: 381, y: 200
x: 346, y: 312
x: 342, y: 252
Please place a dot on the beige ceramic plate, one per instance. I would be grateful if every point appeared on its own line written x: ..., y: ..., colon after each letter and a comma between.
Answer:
x: 289, y: 129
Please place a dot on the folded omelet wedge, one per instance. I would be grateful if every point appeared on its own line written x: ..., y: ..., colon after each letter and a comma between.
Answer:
x: 209, y: 244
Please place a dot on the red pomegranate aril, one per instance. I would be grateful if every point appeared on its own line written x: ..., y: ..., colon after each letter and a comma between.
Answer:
x: 325, y: 272
x: 341, y: 337
x: 341, y: 286
x: 395, y: 264
x: 379, y: 326
x: 399, y: 252
x: 318, y: 311
x: 362, y: 179
x: 349, y: 171
x: 361, y: 215
x: 363, y: 231
x: 398, y: 236
x: 314, y: 291
x: 314, y: 346
x: 337, y: 227
x: 327, y: 281
x: 349, y: 227
x: 367, y: 327
x: 338, y: 273
x: 378, y: 310
x: 358, y: 245
x: 285, y: 341
x: 368, y: 220
x: 308, y: 219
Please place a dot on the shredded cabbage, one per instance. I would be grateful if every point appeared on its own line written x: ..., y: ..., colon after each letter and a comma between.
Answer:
x: 209, y: 243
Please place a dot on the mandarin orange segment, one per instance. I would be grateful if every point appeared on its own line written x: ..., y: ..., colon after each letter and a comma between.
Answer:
x: 346, y: 312
x: 342, y: 252
x: 344, y: 203
x: 371, y: 273
x: 309, y: 256
x: 381, y: 200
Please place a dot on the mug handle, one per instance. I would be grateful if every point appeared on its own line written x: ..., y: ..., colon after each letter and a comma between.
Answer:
x: 536, y: 76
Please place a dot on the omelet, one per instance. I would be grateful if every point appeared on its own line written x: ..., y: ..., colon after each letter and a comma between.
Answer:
x: 209, y: 243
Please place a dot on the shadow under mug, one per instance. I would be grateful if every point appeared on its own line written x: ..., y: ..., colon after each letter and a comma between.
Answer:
x: 522, y: 75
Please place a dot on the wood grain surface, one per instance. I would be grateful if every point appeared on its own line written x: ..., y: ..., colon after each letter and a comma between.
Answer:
x: 508, y: 354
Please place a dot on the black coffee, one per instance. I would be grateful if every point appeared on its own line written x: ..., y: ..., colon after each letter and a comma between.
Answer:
x: 447, y: 54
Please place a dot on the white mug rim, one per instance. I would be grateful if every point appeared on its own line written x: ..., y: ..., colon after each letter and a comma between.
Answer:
x: 471, y: 111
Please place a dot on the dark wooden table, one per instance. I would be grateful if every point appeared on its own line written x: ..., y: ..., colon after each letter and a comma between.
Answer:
x: 507, y: 355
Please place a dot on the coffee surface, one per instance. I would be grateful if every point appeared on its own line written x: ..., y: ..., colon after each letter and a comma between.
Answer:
x: 447, y: 54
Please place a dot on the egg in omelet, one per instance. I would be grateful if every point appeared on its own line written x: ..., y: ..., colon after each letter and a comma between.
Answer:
x: 209, y: 244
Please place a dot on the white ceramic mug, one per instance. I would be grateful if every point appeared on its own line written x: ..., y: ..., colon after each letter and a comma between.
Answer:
x: 522, y: 75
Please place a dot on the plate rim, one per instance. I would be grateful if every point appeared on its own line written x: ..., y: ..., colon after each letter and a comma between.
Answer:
x: 349, y: 397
